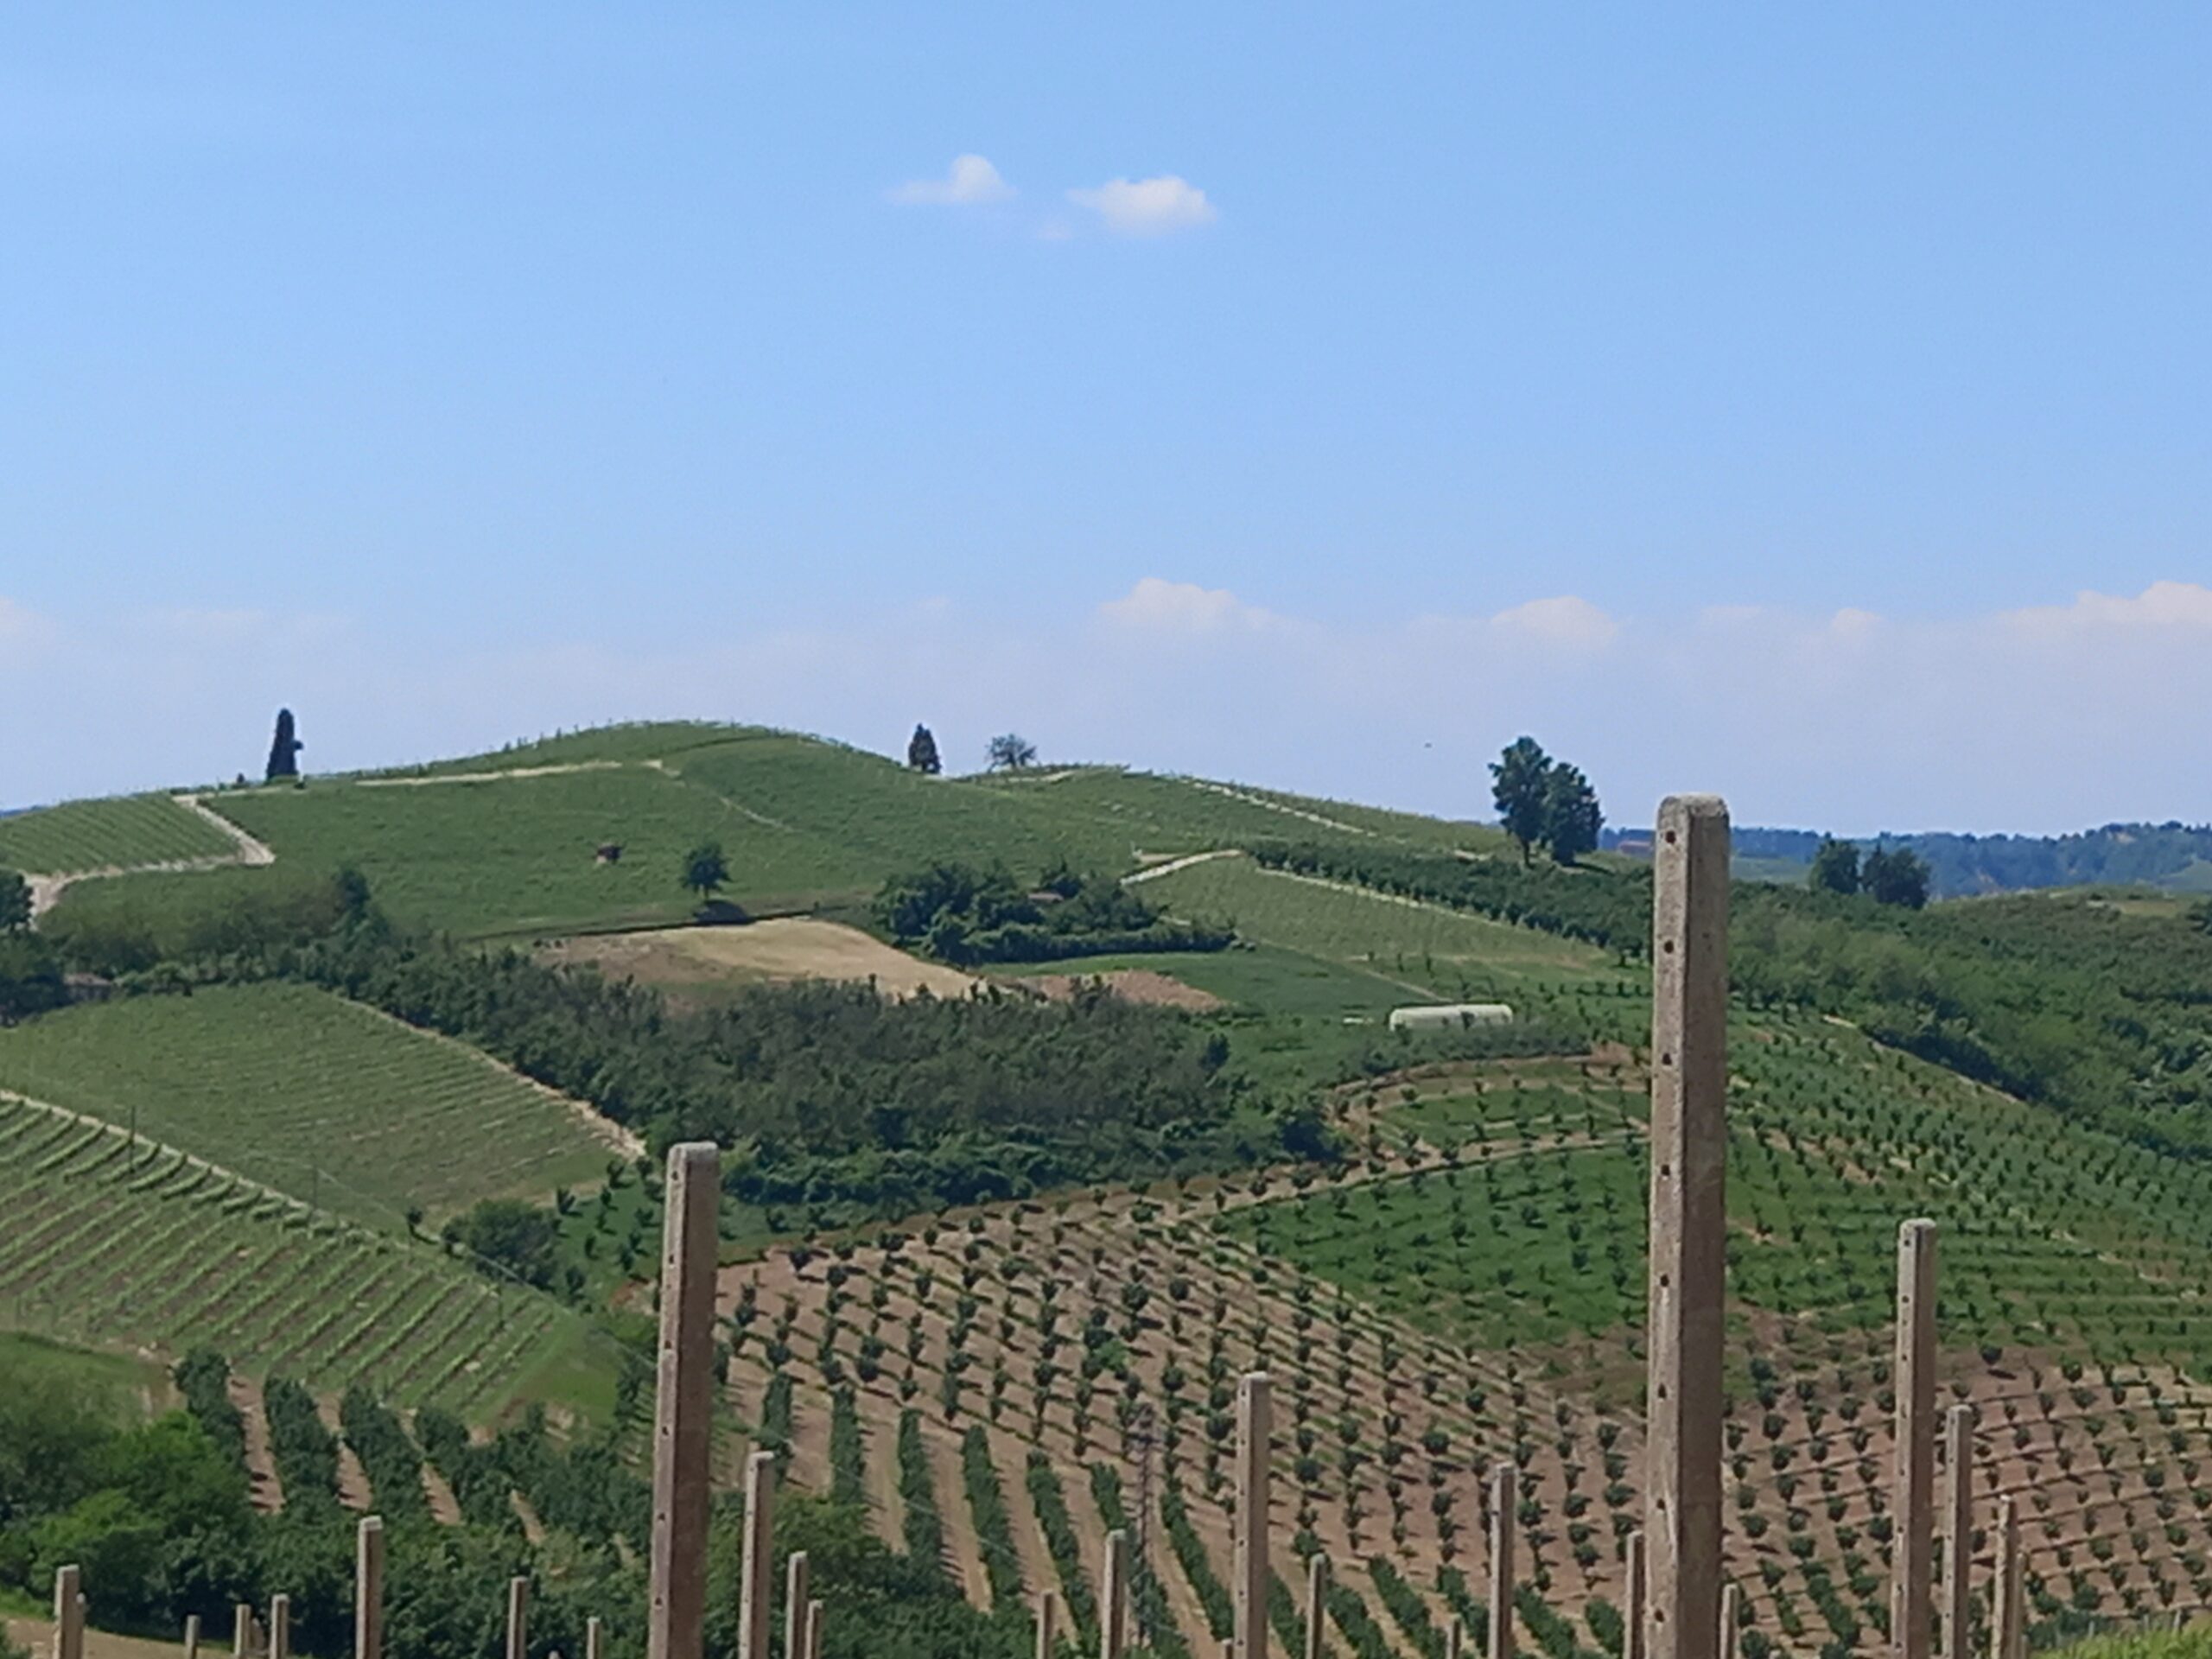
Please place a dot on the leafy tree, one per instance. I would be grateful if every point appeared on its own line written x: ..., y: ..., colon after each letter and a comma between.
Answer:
x: 1572, y: 815
x: 14, y: 902
x: 518, y: 1236
x: 31, y: 976
x: 1835, y: 867
x: 1894, y: 875
x: 1520, y: 780
x: 921, y: 752
x: 1011, y: 751
x: 285, y: 751
x: 705, y: 869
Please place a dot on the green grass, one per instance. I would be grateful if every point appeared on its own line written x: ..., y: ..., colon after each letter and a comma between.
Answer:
x: 112, y: 1245
x: 124, y: 829
x: 1428, y: 950
x: 516, y: 856
x: 629, y: 742
x: 309, y: 1093
x: 128, y: 1379
x: 1265, y: 977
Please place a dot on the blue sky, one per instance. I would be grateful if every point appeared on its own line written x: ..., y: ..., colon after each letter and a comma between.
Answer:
x: 1315, y: 395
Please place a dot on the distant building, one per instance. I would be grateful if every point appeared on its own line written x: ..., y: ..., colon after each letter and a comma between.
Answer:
x: 1449, y: 1016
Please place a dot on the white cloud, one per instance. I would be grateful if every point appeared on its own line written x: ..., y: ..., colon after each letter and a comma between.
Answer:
x: 2162, y: 605
x: 971, y: 181
x: 1159, y: 606
x: 1565, y: 620
x: 1147, y: 206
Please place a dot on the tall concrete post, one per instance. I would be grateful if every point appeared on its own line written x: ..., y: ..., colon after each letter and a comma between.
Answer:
x: 1689, y: 1155
x: 1255, y: 1433
x: 683, y: 1403
x: 1913, y: 1486
x: 518, y: 1618
x: 280, y: 1626
x: 192, y: 1635
x: 1454, y: 1640
x: 1048, y: 1633
x: 1504, y: 1500
x: 241, y: 1632
x: 68, y: 1614
x: 1958, y: 1532
x: 595, y: 1638
x: 2008, y: 1621
x: 1732, y: 1620
x: 756, y: 1565
x: 814, y: 1629
x: 368, y: 1588
x: 795, y: 1606
x: 1317, y: 1605
x: 1632, y: 1623
x: 1113, y: 1598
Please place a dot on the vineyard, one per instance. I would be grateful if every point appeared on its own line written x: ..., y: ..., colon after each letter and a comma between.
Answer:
x: 302, y: 1091
x: 124, y: 1241
x: 123, y: 830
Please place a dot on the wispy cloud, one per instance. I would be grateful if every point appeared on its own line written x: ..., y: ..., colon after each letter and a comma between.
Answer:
x: 971, y: 181
x: 1147, y: 206
x: 1157, y: 605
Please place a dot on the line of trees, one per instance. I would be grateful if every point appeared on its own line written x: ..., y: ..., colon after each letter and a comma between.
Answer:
x: 958, y: 914
x: 1545, y: 803
x: 1888, y: 876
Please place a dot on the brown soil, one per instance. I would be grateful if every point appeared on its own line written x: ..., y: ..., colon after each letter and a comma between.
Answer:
x: 37, y: 1634
x: 785, y: 948
x: 260, y: 1461
x: 1130, y: 984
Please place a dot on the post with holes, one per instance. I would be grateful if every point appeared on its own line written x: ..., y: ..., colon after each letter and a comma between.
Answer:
x: 68, y: 1614
x: 595, y: 1638
x: 1255, y: 1431
x: 1632, y: 1623
x: 1048, y: 1635
x: 518, y: 1618
x: 192, y: 1635
x: 1113, y: 1598
x: 1732, y: 1620
x: 757, y: 1563
x: 368, y: 1588
x: 1958, y: 1533
x: 795, y: 1606
x: 1913, y: 1487
x: 683, y: 1403
x: 1505, y: 1495
x: 1317, y: 1605
x: 2007, y: 1624
x: 280, y: 1626
x: 1689, y: 1083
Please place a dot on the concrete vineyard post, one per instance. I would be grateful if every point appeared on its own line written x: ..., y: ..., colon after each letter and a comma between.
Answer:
x: 1913, y: 1490
x: 814, y: 1630
x: 758, y: 1562
x: 1317, y: 1605
x: 683, y: 1403
x: 368, y: 1589
x: 1732, y: 1617
x: 1689, y: 1085
x: 795, y: 1606
x: 1958, y: 1533
x: 1505, y: 1494
x: 280, y: 1626
x: 2007, y: 1624
x: 241, y: 1632
x: 1632, y: 1624
x: 192, y: 1635
x: 68, y: 1614
x: 1453, y: 1639
x: 595, y: 1638
x: 1113, y: 1598
x: 1254, y: 1429
x: 518, y: 1618
x: 1048, y: 1635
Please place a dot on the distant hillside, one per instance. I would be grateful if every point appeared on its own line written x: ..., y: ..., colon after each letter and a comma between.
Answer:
x: 2176, y: 857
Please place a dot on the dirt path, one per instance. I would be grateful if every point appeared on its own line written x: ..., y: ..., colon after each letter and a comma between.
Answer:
x: 37, y: 1634
x: 1262, y: 801
x: 1039, y: 1571
x: 47, y: 888
x: 353, y: 1489
x: 260, y: 1461
x: 965, y: 1556
x: 491, y: 777
x: 445, y: 1508
x: 879, y: 1433
x: 1152, y: 872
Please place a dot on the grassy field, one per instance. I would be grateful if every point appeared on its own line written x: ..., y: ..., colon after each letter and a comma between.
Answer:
x: 124, y: 829
x: 1263, y: 978
x: 516, y: 856
x: 307, y: 1092
x: 109, y: 1244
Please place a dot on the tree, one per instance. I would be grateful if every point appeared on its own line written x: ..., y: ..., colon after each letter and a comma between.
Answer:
x: 1894, y: 875
x: 921, y: 752
x: 285, y: 751
x: 1011, y: 751
x: 31, y: 977
x: 14, y: 902
x: 1835, y: 867
x: 517, y: 1236
x: 1572, y: 815
x: 1519, y: 780
x: 705, y: 869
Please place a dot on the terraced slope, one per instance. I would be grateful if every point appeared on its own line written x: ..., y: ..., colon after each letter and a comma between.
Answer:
x: 315, y: 1096
x: 112, y: 1241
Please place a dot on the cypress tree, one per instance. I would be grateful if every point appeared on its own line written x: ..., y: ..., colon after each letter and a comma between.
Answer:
x: 284, y: 753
